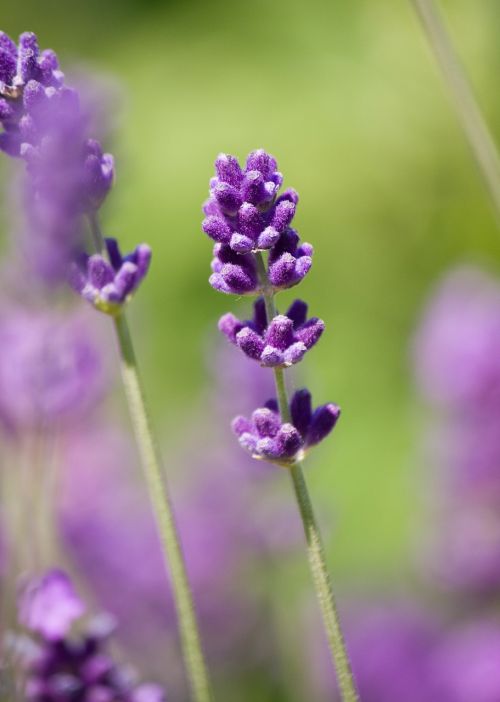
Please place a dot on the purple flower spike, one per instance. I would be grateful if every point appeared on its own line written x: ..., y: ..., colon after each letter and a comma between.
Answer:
x: 281, y: 343
x: 50, y: 605
x: 289, y: 263
x: 243, y: 210
x: 58, y: 666
x: 232, y: 273
x: 108, y: 286
x: 265, y: 437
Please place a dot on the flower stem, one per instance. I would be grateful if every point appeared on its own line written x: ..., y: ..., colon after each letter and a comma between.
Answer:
x: 315, y: 549
x: 160, y: 500
x: 466, y: 107
x: 163, y: 512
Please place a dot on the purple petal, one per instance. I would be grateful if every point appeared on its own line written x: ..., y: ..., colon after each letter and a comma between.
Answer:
x: 266, y: 422
x: 323, y: 420
x: 297, y: 312
x: 228, y: 169
x: 230, y: 325
x: 301, y: 410
x: 100, y: 272
x: 250, y: 342
x: 310, y: 332
x: 280, y: 332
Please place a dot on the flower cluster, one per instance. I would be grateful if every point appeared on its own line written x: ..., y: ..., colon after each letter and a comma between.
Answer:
x: 61, y: 668
x: 68, y: 174
x: 108, y: 284
x: 266, y: 436
x: 281, y: 343
x: 246, y: 217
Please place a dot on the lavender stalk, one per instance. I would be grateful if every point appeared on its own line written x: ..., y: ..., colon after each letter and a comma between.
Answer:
x: 245, y: 216
x: 69, y: 176
x: 162, y: 508
x: 465, y: 104
x: 315, y: 549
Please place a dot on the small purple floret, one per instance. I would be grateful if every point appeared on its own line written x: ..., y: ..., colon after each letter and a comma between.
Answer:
x: 233, y: 273
x: 264, y: 435
x: 50, y: 605
x: 243, y: 210
x: 109, y: 285
x: 289, y: 263
x: 281, y: 343
x: 57, y: 666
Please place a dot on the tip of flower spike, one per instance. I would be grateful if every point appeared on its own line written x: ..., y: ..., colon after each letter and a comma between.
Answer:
x: 49, y: 605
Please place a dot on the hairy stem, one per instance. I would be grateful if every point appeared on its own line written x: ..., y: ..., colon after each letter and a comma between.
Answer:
x: 163, y: 512
x: 315, y: 549
x: 466, y: 107
x: 160, y: 501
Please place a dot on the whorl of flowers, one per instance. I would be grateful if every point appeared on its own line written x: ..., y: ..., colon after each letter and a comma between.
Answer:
x: 60, y: 666
x: 245, y: 216
x: 68, y: 174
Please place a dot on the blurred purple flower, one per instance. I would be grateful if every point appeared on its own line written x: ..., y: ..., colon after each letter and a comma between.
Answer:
x: 457, y: 345
x: 61, y: 668
x: 51, y: 371
x: 466, y: 664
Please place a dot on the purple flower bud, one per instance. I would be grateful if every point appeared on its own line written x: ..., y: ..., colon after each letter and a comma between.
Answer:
x: 50, y: 605
x: 243, y: 210
x: 59, y: 666
x: 233, y: 273
x: 108, y: 286
x: 289, y: 263
x: 281, y: 343
x: 264, y: 436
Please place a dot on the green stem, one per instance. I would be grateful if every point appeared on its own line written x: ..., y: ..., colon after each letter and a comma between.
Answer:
x: 158, y: 492
x: 160, y: 499
x: 315, y: 549
x: 466, y: 107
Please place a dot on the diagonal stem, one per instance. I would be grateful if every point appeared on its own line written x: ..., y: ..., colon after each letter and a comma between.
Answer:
x: 315, y: 549
x: 465, y: 104
x: 161, y: 503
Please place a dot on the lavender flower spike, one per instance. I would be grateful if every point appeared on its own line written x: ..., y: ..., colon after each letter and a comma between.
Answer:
x: 264, y: 436
x: 281, y: 343
x: 57, y: 667
x: 243, y: 210
x: 109, y: 285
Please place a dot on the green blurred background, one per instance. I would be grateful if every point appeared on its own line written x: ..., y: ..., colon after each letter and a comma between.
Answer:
x: 346, y: 96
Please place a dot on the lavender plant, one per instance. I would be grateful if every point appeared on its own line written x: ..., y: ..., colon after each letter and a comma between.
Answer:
x: 69, y: 178
x: 246, y: 217
x: 58, y: 666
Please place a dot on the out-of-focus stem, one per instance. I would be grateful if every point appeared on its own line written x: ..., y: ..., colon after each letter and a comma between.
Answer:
x: 160, y: 501
x: 466, y: 107
x: 315, y: 550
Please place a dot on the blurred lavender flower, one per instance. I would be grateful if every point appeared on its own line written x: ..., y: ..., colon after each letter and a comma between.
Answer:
x: 465, y: 553
x: 458, y: 343
x: 108, y: 286
x: 51, y: 372
x: 283, y: 342
x: 265, y: 436
x: 68, y: 174
x: 466, y: 663
x: 59, y: 668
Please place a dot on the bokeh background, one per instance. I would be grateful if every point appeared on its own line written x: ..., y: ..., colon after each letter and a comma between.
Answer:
x: 348, y: 99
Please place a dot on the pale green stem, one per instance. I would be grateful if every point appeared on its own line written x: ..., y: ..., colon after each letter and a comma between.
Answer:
x: 161, y: 504
x: 315, y: 549
x: 466, y: 107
